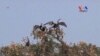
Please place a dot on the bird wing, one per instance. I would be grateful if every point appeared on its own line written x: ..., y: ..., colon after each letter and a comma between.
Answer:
x: 62, y: 23
x: 50, y: 23
x: 36, y: 26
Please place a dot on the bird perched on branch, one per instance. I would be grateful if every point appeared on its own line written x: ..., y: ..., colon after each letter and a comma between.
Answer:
x: 56, y: 25
x: 41, y: 27
x: 39, y: 31
x: 55, y: 28
x: 27, y: 41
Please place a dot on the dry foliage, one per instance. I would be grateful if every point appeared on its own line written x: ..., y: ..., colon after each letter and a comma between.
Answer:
x: 51, y: 44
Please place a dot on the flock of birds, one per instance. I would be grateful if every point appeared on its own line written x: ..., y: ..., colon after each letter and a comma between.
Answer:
x: 54, y: 25
x: 42, y: 27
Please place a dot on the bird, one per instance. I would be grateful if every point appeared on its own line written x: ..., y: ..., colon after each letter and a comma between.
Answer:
x: 56, y: 25
x: 28, y: 42
x: 41, y: 27
x: 39, y: 31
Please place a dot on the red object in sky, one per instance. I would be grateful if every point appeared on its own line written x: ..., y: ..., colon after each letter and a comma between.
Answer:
x: 83, y: 9
x: 80, y: 8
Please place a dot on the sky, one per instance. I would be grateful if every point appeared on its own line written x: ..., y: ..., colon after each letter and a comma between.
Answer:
x: 17, y: 18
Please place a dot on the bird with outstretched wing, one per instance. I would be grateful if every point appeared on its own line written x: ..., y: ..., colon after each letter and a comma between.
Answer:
x: 50, y: 23
x: 56, y: 25
x: 62, y: 24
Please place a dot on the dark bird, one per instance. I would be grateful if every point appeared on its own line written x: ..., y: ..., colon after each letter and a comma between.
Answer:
x: 28, y: 42
x: 41, y: 27
x: 38, y: 28
x: 56, y: 25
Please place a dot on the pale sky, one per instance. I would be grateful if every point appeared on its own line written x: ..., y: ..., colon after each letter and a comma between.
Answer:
x: 17, y: 18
